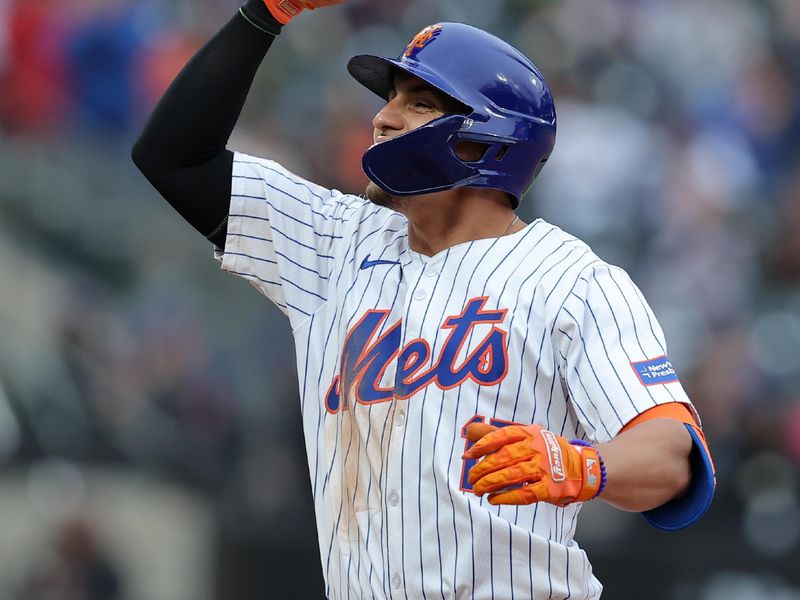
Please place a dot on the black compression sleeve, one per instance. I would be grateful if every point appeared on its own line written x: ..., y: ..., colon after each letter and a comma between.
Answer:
x: 182, y: 148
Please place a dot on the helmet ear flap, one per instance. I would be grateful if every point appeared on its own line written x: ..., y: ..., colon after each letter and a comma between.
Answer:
x: 420, y: 161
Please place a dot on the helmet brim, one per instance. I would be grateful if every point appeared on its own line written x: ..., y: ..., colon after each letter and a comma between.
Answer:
x: 373, y: 72
x: 376, y: 73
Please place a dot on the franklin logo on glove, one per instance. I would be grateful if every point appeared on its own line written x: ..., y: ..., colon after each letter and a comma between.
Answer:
x: 554, y: 455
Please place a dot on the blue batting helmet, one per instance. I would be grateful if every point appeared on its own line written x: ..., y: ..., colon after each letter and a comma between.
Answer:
x: 510, y: 111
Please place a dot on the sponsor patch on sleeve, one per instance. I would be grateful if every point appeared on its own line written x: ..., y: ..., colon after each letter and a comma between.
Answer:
x: 655, y: 370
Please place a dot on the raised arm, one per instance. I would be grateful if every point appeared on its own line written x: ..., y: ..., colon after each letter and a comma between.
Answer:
x: 182, y: 148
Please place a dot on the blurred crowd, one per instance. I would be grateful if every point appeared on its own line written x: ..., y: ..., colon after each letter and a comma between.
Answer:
x: 678, y: 158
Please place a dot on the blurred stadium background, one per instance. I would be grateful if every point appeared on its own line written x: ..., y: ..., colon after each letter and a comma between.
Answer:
x: 149, y: 431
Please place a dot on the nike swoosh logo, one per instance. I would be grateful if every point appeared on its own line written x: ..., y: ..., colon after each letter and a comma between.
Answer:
x: 367, y: 263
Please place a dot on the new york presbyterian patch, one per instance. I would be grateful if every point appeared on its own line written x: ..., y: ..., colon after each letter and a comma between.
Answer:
x: 654, y: 371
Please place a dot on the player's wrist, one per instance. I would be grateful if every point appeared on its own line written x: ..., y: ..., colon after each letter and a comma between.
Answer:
x: 259, y: 16
x: 593, y: 470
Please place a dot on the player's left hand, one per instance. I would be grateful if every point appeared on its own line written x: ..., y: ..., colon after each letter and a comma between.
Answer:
x: 526, y: 464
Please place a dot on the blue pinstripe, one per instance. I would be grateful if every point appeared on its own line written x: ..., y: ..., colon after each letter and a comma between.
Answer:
x: 636, y: 330
x: 287, y: 176
x: 619, y: 333
x: 527, y: 329
x: 549, y: 570
x: 286, y: 194
x: 269, y: 241
x: 251, y: 257
x: 541, y: 342
x: 298, y: 309
x: 591, y: 366
x: 577, y: 405
x: 608, y: 356
x: 257, y: 218
x: 297, y: 264
x: 302, y: 289
x: 276, y: 209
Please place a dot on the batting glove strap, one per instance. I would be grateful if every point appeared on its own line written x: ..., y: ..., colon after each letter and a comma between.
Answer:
x: 593, y: 469
x: 284, y: 10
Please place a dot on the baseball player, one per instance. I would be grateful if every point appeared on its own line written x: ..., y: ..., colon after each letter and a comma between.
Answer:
x: 467, y: 380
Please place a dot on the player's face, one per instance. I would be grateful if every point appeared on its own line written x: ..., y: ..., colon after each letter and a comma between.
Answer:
x: 411, y: 104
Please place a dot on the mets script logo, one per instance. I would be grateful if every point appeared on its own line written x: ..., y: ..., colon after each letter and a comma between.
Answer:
x: 366, y: 356
x: 422, y: 39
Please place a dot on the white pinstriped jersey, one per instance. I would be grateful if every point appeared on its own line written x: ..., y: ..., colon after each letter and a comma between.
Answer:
x: 397, y: 352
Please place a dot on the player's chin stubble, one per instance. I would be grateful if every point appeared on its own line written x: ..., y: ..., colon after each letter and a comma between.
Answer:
x: 377, y: 196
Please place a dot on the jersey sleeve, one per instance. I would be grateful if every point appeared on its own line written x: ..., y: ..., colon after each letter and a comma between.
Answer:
x: 283, y: 234
x: 613, y: 353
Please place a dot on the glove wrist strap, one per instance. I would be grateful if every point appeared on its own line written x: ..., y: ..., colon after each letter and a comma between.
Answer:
x: 593, y: 469
x: 284, y: 10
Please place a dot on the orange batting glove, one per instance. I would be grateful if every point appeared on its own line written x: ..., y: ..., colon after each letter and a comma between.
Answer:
x: 523, y: 464
x: 285, y: 10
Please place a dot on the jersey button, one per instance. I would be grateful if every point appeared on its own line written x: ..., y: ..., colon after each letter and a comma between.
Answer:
x: 431, y: 273
x: 394, y: 498
x: 396, y: 581
x: 400, y: 419
x: 420, y: 294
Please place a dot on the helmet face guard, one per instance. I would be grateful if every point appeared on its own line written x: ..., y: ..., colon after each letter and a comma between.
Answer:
x: 420, y: 161
x: 512, y: 114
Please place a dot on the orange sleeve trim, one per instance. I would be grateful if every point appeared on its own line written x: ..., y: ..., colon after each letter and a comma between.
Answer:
x: 670, y: 410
